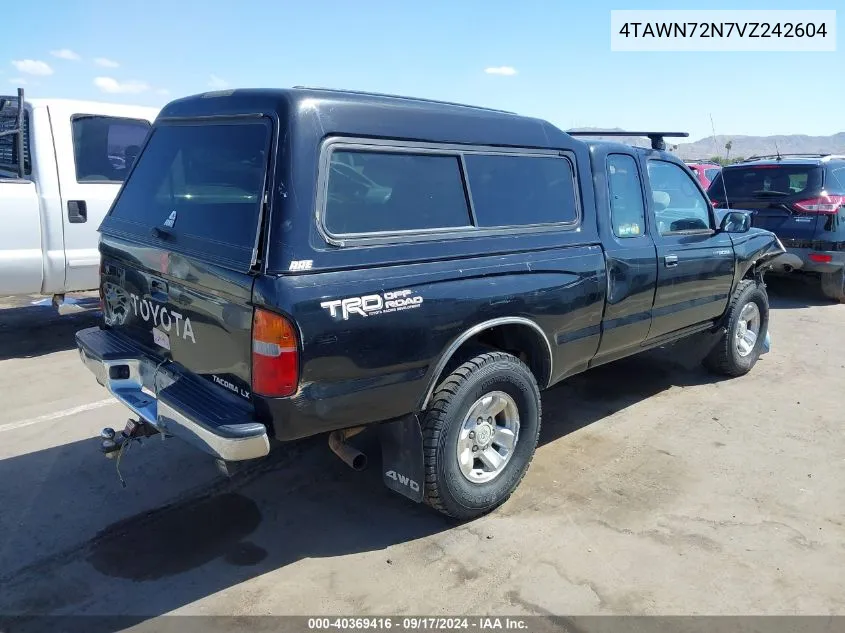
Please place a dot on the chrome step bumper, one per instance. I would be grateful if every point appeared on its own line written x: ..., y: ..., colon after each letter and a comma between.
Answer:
x: 175, y: 403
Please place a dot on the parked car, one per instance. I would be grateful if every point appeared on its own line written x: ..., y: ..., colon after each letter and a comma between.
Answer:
x: 285, y: 263
x: 800, y: 198
x: 61, y: 165
x: 705, y: 171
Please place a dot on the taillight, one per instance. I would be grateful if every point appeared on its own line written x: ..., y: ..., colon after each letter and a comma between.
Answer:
x: 823, y: 204
x: 275, y: 358
x: 715, y: 203
x: 820, y: 258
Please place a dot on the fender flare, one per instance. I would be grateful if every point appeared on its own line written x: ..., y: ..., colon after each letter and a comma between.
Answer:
x: 455, y: 345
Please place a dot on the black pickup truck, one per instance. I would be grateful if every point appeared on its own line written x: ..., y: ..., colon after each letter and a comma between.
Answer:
x: 285, y: 263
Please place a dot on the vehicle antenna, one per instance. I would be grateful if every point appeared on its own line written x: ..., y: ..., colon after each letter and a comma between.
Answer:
x: 777, y: 151
x: 722, y: 174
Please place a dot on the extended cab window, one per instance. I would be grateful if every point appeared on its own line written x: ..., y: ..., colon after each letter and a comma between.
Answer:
x: 521, y: 190
x: 678, y: 203
x: 373, y: 191
x: 202, y: 186
x: 104, y: 148
x: 626, y: 196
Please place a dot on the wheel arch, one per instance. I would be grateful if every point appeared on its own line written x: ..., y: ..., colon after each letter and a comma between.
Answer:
x: 496, y: 334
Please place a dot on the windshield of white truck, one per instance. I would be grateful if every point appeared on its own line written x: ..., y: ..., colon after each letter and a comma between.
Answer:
x: 197, y: 188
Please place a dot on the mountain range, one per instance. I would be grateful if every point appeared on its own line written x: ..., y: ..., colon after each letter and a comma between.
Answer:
x: 741, y: 145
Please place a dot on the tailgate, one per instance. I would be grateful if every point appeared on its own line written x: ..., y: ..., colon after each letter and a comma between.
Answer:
x: 779, y: 218
x: 194, y: 315
x: 181, y: 241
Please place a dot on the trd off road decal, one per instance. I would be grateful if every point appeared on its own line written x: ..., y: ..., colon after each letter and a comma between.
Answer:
x: 371, y: 305
x: 161, y: 316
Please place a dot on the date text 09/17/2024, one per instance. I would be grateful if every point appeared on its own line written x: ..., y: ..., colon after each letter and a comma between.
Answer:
x: 482, y: 623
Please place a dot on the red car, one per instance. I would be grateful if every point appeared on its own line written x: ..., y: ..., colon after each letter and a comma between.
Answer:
x: 705, y: 171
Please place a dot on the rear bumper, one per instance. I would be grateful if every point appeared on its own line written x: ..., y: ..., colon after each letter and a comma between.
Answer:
x: 837, y: 260
x: 174, y: 402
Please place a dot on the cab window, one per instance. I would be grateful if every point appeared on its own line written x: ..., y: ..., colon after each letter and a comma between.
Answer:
x: 627, y: 211
x: 679, y: 205
x: 104, y: 148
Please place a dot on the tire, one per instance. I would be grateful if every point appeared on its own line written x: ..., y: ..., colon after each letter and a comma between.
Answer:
x: 833, y: 285
x: 488, y: 379
x: 725, y: 358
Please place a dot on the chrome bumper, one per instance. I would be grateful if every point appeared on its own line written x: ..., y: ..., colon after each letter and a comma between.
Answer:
x: 180, y: 405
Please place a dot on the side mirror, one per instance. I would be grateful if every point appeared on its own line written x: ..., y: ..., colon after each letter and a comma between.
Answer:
x: 735, y: 222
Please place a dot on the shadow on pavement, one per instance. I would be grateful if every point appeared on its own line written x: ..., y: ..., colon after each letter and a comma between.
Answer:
x: 150, y: 557
x: 35, y: 330
x: 795, y: 291
x: 605, y: 390
x: 300, y: 503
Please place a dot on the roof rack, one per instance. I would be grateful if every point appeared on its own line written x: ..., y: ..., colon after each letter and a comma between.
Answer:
x: 16, y: 131
x: 656, y: 138
x: 402, y: 97
x: 795, y: 155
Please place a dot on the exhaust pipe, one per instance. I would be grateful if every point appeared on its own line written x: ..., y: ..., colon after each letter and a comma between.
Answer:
x: 353, y: 458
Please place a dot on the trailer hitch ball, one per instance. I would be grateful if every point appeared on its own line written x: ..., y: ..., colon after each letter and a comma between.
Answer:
x: 108, y: 444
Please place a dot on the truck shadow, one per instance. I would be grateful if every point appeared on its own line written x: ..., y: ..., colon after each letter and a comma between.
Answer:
x: 795, y: 291
x: 35, y: 330
x: 145, y: 557
x: 605, y: 390
x: 301, y: 503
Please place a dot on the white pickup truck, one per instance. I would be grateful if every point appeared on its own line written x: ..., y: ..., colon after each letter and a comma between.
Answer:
x: 62, y: 163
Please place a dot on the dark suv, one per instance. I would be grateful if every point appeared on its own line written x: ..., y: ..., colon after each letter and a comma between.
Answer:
x: 801, y: 198
x: 285, y: 263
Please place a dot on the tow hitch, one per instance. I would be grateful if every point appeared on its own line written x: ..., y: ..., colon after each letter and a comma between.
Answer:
x: 114, y: 445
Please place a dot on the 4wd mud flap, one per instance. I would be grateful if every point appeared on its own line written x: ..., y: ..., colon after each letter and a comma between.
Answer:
x: 403, y: 468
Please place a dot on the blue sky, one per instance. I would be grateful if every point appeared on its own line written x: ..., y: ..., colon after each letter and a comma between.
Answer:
x: 559, y: 51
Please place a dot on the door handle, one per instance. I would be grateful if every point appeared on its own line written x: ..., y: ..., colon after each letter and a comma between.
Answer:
x: 77, y: 211
x: 671, y: 260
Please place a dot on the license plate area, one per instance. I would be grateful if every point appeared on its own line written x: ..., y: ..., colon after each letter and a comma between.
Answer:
x: 161, y: 339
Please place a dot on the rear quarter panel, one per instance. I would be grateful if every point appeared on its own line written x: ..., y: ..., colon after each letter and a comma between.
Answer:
x: 359, y: 369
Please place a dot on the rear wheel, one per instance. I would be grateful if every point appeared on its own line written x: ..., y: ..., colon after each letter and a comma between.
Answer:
x: 479, y: 434
x: 833, y: 285
x: 748, y: 322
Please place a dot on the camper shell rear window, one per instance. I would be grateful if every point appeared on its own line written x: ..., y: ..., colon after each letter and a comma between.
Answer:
x: 198, y: 188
